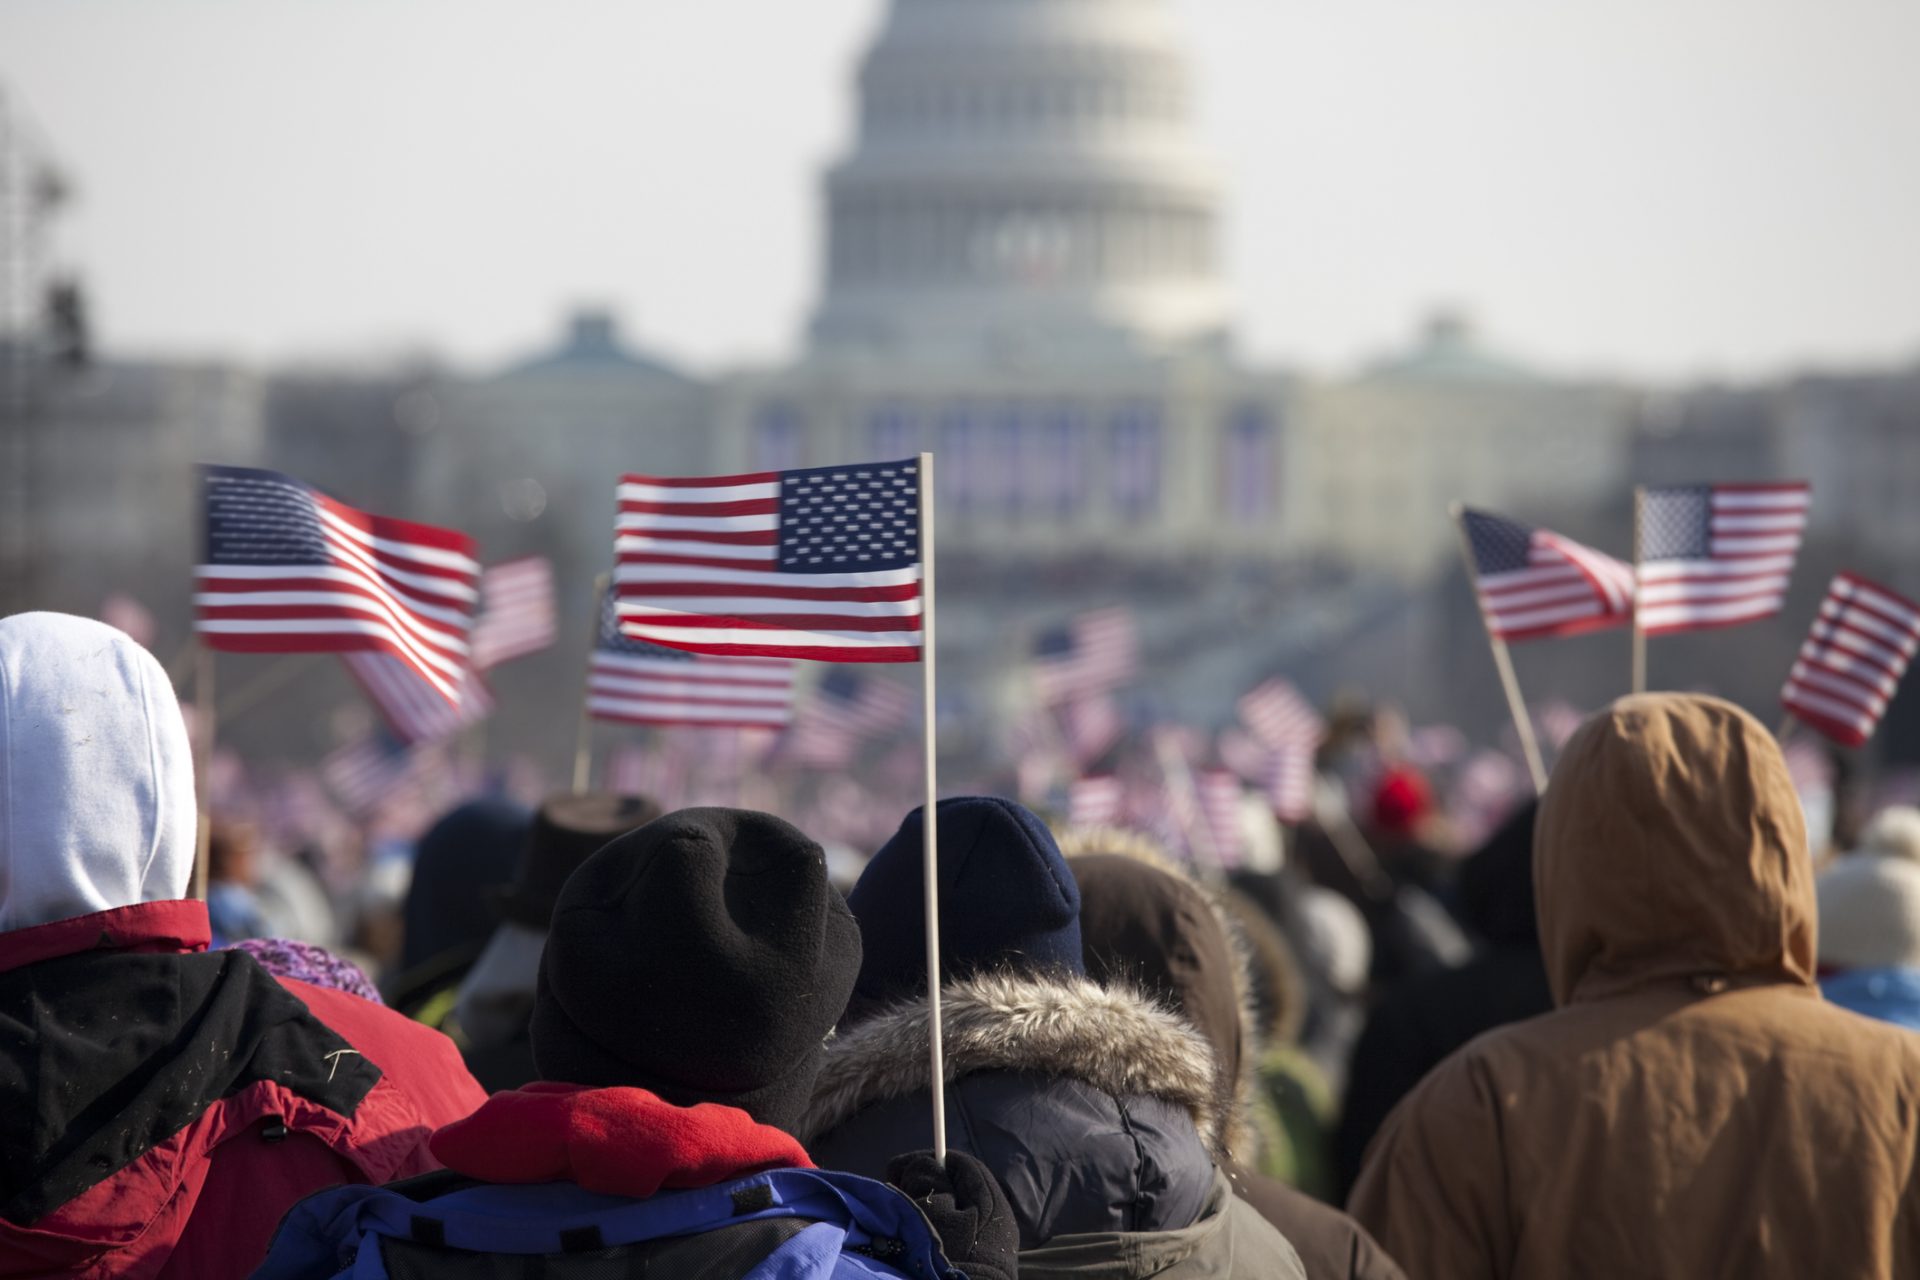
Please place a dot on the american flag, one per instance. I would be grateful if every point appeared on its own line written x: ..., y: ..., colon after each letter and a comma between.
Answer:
x: 1096, y: 801
x: 1243, y: 753
x: 657, y: 774
x: 820, y: 563
x: 1280, y: 717
x: 1289, y: 783
x: 639, y: 683
x: 365, y: 773
x: 516, y: 611
x: 1850, y: 667
x: 1220, y: 812
x: 844, y: 710
x: 412, y: 708
x: 1717, y: 555
x: 1093, y: 653
x: 289, y: 570
x: 1534, y: 583
x: 1090, y: 726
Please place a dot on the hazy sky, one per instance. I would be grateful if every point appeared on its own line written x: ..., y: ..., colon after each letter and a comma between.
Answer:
x: 1665, y: 187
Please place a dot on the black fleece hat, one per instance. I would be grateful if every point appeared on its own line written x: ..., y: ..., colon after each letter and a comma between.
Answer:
x: 567, y: 830
x: 704, y: 957
x: 1007, y: 900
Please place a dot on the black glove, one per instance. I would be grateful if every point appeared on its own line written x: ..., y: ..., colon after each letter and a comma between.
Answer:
x: 967, y: 1208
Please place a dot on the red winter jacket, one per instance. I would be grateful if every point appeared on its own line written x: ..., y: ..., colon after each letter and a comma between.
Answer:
x: 161, y: 1106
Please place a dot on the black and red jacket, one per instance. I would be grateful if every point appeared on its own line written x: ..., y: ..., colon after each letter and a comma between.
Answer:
x: 161, y: 1106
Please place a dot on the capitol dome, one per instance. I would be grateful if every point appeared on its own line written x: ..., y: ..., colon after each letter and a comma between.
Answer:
x: 1025, y: 181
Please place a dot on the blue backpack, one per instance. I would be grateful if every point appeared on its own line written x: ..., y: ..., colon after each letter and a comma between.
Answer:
x: 785, y: 1224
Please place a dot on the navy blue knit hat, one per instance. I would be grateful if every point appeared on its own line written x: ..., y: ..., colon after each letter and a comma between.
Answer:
x: 1007, y: 900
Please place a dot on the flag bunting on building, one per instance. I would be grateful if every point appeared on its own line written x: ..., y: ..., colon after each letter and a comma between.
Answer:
x: 516, y: 611
x: 820, y: 563
x: 1717, y: 555
x: 287, y: 569
x: 1534, y: 583
x: 1850, y: 667
x: 635, y: 682
x: 1091, y: 654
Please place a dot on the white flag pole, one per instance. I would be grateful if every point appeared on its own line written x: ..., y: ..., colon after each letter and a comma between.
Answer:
x: 583, y: 741
x: 1516, y: 705
x: 930, y: 872
x: 1639, y: 632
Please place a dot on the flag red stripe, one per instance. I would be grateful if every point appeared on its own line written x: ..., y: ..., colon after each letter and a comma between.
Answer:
x: 741, y: 507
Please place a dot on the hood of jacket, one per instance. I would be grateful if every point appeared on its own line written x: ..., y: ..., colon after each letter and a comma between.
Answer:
x: 1146, y: 925
x: 1671, y: 846
x: 621, y: 1141
x: 1112, y: 1039
x: 96, y: 778
x: 1096, y: 1108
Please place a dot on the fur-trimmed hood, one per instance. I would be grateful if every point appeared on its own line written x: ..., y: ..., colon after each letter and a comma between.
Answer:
x: 1111, y: 1039
x: 1237, y: 1043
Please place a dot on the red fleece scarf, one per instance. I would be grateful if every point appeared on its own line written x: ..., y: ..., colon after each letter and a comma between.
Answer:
x: 622, y: 1142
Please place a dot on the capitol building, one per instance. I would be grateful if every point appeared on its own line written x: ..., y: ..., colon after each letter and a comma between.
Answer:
x: 1022, y: 272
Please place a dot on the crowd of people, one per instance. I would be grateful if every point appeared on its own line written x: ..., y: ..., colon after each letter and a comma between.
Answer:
x: 1647, y: 1029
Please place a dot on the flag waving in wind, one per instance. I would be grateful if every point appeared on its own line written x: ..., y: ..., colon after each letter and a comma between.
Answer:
x: 1094, y: 653
x: 1534, y: 583
x: 820, y: 563
x: 413, y: 709
x: 1850, y: 667
x: 289, y: 570
x: 516, y: 611
x: 1717, y: 555
x: 640, y: 683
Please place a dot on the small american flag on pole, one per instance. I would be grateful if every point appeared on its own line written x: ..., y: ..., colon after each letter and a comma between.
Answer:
x: 1534, y: 583
x: 1091, y: 726
x: 1095, y: 802
x: 1717, y: 555
x: 820, y: 563
x: 366, y: 772
x: 844, y: 710
x: 516, y: 611
x: 1219, y: 794
x: 639, y: 683
x: 1091, y: 654
x: 1289, y: 783
x: 1279, y: 716
x: 289, y: 570
x: 1850, y: 666
x: 412, y: 708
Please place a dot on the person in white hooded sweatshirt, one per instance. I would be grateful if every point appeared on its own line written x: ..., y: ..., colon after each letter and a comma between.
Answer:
x: 161, y: 1106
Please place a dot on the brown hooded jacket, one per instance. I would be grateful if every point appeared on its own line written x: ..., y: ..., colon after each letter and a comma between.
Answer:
x: 1692, y: 1107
